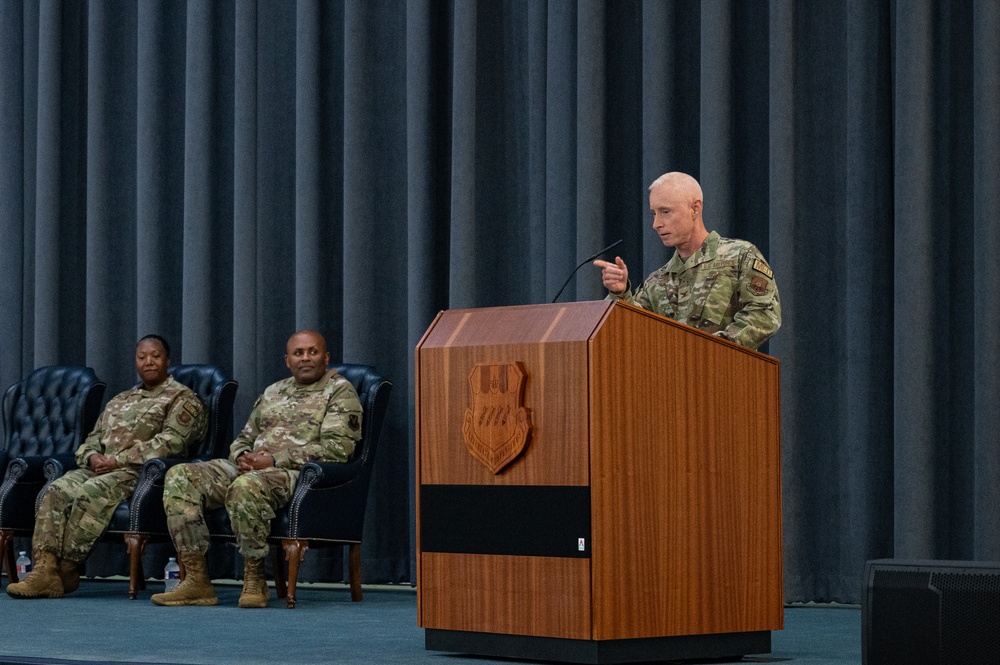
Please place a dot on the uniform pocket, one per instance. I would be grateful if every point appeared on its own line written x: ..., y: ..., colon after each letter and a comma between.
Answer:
x: 713, y: 302
x: 149, y: 423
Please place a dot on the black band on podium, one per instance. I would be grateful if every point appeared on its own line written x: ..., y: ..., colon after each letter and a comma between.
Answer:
x: 518, y: 520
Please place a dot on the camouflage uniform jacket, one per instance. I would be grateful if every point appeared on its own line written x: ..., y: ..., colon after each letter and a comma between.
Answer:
x: 141, y: 424
x: 298, y: 424
x: 725, y: 288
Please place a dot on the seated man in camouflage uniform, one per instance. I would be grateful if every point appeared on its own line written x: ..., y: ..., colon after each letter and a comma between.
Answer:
x: 313, y: 416
x: 719, y: 285
x: 159, y: 419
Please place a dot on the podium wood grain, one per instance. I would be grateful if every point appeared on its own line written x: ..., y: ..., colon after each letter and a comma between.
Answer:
x: 685, y: 482
x: 515, y: 595
x: 675, y: 433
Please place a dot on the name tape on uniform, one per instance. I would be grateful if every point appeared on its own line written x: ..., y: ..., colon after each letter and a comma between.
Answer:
x: 761, y: 267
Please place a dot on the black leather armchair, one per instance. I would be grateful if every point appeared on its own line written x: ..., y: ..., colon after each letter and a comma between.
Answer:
x: 48, y: 414
x: 328, y: 505
x: 141, y: 519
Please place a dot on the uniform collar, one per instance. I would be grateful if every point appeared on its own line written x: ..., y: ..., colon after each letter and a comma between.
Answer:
x: 158, y: 389
x: 316, y: 385
x: 707, y: 252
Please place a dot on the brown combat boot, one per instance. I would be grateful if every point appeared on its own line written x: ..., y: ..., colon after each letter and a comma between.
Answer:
x: 42, y: 582
x: 69, y: 573
x: 255, y: 591
x: 195, y: 588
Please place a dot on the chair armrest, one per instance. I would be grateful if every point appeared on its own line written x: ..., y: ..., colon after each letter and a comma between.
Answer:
x: 20, y: 490
x: 321, y: 485
x: 153, y: 470
x: 146, y: 507
x: 26, y: 469
x: 57, y: 465
x: 323, y: 475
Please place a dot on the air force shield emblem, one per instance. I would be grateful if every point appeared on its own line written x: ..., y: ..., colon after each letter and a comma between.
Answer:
x: 497, y: 427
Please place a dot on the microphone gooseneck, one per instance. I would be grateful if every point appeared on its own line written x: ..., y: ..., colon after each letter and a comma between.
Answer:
x: 583, y: 263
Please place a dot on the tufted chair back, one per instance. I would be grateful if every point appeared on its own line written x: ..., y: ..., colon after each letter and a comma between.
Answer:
x: 366, y: 382
x: 50, y: 412
x: 218, y: 392
x: 47, y: 414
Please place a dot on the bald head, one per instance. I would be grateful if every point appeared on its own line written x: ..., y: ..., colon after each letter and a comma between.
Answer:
x: 681, y: 184
x: 306, y: 356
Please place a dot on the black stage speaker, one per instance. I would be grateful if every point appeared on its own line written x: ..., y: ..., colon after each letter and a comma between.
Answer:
x: 930, y: 612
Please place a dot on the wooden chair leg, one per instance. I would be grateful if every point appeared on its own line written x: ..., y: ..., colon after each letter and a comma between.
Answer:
x: 7, y: 554
x: 279, y: 573
x: 354, y: 570
x: 295, y: 552
x: 136, y: 548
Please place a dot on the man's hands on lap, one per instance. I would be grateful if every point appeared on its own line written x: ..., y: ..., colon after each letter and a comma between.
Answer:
x: 254, y: 460
x: 101, y: 464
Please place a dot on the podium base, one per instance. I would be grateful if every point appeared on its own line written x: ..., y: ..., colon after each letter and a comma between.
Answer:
x: 599, y: 652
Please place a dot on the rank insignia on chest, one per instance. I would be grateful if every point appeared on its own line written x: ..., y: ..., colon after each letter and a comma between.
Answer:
x: 762, y: 267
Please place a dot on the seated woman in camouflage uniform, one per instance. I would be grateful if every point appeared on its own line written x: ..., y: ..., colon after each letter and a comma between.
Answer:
x: 161, y: 418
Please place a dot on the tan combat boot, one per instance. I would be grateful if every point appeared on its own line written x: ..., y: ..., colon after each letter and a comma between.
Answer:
x: 255, y: 591
x: 42, y: 582
x: 69, y: 573
x: 195, y: 588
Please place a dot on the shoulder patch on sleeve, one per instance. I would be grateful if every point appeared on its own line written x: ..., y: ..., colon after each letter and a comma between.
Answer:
x: 189, y: 412
x: 763, y: 268
x: 354, y: 422
x: 758, y: 285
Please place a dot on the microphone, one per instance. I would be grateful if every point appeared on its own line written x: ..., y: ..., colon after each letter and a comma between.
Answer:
x: 583, y: 263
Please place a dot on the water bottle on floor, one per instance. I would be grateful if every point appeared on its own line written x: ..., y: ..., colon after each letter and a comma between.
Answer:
x: 23, y: 564
x: 171, y: 575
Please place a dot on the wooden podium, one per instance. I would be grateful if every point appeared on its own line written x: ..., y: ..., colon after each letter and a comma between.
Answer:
x: 642, y: 519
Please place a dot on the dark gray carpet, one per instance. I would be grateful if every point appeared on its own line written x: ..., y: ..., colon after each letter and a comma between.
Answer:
x: 99, y: 624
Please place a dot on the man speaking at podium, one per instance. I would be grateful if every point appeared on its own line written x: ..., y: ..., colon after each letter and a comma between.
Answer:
x: 719, y: 285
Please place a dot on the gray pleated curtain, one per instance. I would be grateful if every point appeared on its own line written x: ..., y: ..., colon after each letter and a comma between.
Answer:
x: 225, y: 173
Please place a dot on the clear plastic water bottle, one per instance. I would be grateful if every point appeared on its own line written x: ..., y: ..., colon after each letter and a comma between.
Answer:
x: 171, y: 575
x: 23, y: 564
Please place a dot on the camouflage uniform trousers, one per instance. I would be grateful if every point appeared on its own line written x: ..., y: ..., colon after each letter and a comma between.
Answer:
x: 77, y: 508
x: 250, y: 499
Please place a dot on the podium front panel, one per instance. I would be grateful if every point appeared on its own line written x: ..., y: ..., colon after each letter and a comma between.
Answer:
x: 687, y: 515
x: 513, y: 595
x: 550, y: 342
x: 660, y: 443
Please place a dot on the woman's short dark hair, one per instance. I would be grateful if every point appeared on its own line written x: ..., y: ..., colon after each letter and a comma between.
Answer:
x: 166, y: 345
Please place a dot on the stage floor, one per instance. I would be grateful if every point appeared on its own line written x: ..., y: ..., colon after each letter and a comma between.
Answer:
x: 99, y: 624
